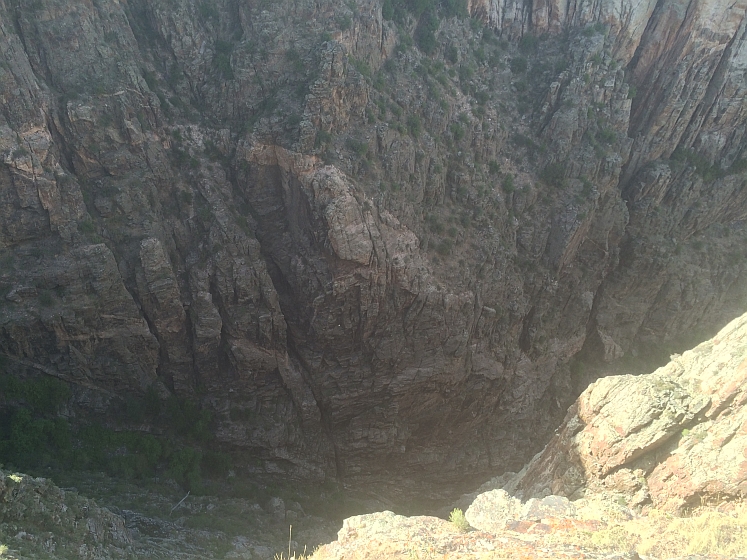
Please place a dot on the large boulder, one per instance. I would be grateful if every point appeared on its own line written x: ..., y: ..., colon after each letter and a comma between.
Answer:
x: 672, y: 438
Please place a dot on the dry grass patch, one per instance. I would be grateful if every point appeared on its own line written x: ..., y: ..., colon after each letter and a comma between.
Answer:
x: 661, y: 535
x: 710, y: 532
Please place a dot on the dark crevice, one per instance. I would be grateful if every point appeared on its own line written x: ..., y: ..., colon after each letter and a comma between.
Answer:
x: 633, y: 64
x: 38, y: 63
x: 714, y: 88
x: 275, y: 224
x: 325, y: 410
x: 162, y: 357
x: 525, y: 339
x: 61, y: 142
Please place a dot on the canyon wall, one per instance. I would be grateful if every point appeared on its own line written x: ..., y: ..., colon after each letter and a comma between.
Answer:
x: 367, y: 262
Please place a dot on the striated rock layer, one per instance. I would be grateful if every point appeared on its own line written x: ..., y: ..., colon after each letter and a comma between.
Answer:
x: 366, y: 261
x: 672, y: 439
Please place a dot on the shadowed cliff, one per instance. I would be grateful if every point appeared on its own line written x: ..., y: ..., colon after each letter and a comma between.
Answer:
x: 366, y: 258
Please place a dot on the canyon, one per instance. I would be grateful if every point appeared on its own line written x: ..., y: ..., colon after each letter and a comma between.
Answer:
x: 385, y: 263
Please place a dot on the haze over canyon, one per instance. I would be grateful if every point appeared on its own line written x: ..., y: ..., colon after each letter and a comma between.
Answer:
x: 374, y: 243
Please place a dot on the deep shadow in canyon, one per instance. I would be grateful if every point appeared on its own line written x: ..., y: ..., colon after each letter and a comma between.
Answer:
x: 336, y: 243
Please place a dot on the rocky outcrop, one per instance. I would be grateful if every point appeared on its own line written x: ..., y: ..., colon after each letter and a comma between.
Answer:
x: 540, y: 529
x: 386, y: 535
x: 672, y: 439
x: 40, y: 519
x: 355, y: 255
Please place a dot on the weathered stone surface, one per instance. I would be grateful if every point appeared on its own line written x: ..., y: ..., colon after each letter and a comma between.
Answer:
x: 493, y: 511
x: 386, y: 535
x: 34, y: 506
x: 672, y: 438
x: 40, y: 520
x: 279, y: 212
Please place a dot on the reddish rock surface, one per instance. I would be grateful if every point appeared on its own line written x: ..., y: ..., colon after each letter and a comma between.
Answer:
x: 386, y: 535
x: 673, y: 438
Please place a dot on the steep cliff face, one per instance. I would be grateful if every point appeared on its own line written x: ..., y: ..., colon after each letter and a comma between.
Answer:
x: 673, y: 439
x: 365, y: 260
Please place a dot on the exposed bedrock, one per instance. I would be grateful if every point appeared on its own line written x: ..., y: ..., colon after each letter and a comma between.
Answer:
x: 671, y: 439
x: 368, y: 263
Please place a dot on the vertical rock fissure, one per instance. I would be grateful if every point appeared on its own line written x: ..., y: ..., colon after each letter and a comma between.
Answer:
x: 323, y: 407
x: 713, y: 90
x: 631, y: 67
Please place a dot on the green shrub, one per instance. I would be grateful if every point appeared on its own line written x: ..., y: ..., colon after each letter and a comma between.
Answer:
x: 184, y: 467
x: 397, y: 10
x: 703, y: 167
x: 554, y: 174
x: 379, y: 82
x: 322, y: 137
x: 148, y: 447
x: 414, y: 124
x: 466, y: 72
x: 523, y: 141
x: 344, y: 22
x: 454, y: 8
x: 45, y: 298
x: 435, y: 225
x: 152, y: 402
x: 405, y: 41
x: 479, y: 54
x: 358, y: 146
x: 518, y: 65
x: 86, y: 226
x: 222, y: 59
x: 134, y: 409
x: 42, y: 395
x: 187, y: 419
x: 607, y: 135
x: 425, y: 32
x: 60, y: 435
x: 444, y: 247
x: 180, y: 156
x: 27, y: 434
x: 457, y: 131
x: 28, y: 441
x: 387, y: 10
x: 508, y: 183
x: 208, y: 11
x: 739, y: 166
x: 215, y: 464
x: 212, y: 151
x: 587, y: 186
x: 460, y: 522
x: 361, y: 66
x: 528, y: 44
